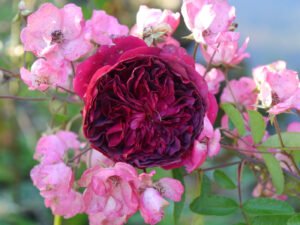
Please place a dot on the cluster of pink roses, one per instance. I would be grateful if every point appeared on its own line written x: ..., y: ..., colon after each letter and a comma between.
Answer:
x: 112, y: 191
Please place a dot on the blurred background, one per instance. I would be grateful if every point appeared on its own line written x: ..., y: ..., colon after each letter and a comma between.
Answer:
x: 273, y: 28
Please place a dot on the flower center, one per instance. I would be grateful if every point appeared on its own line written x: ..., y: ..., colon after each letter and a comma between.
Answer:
x: 115, y: 180
x: 57, y: 37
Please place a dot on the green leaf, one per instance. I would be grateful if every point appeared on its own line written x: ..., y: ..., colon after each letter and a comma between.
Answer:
x: 60, y: 118
x: 267, y: 206
x: 295, y: 220
x: 178, y: 206
x: 257, y: 125
x: 235, y: 117
x: 214, y: 205
x: 290, y: 140
x: 270, y: 220
x: 240, y: 223
x: 223, y: 180
x: 275, y: 171
x: 205, y: 185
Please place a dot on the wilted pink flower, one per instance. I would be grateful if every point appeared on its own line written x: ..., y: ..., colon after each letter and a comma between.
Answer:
x: 46, y: 73
x: 55, y: 182
x: 207, y: 19
x: 52, y: 148
x: 279, y: 87
x: 226, y: 51
x: 213, y: 78
x: 294, y: 127
x: 151, y: 21
x: 111, y: 191
x: 152, y: 203
x: 243, y: 93
x: 50, y: 29
x: 152, y: 206
x: 101, y: 28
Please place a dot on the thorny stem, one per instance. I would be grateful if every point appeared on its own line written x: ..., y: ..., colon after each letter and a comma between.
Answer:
x: 23, y: 98
x: 9, y: 73
x: 57, y: 220
x: 210, y: 61
x: 219, y: 166
x: 53, y: 97
x: 235, y: 136
x: 195, y: 50
x: 239, y: 179
x: 80, y: 154
x: 66, y: 90
x: 259, y: 162
x: 278, y: 131
x: 230, y: 147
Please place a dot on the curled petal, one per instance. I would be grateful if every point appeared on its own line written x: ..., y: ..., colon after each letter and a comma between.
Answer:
x: 152, y: 206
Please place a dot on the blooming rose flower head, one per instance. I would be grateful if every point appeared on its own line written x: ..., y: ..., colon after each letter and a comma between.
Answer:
x: 52, y: 148
x: 243, y: 93
x: 101, y: 28
x: 278, y: 87
x: 46, y: 73
x: 154, y: 24
x: 143, y: 105
x: 111, y: 191
x: 226, y: 51
x: 207, y: 19
x: 55, y: 182
x: 50, y: 29
x: 213, y: 78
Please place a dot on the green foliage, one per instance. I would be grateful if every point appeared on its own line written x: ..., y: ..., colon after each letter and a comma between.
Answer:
x: 270, y: 220
x: 295, y: 220
x: 275, y: 171
x: 291, y: 141
x: 214, y: 205
x: 223, y: 180
x: 267, y: 206
x: 257, y: 125
x: 235, y: 117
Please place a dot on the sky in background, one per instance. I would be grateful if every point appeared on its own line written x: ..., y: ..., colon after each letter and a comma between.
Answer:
x: 274, y: 30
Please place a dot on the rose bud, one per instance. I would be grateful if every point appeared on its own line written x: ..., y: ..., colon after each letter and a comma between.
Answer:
x: 143, y: 105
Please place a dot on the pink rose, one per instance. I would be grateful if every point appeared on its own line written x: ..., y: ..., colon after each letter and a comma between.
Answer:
x: 50, y: 29
x: 207, y: 19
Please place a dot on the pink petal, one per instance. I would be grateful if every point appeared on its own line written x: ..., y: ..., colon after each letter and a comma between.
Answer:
x: 196, y: 158
x: 72, y: 21
x: 151, y: 206
x: 171, y: 188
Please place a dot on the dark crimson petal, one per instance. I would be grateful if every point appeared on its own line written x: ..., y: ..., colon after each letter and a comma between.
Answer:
x: 147, y: 109
x: 106, y: 55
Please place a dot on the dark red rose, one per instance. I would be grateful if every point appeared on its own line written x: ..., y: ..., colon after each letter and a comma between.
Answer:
x: 143, y: 105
